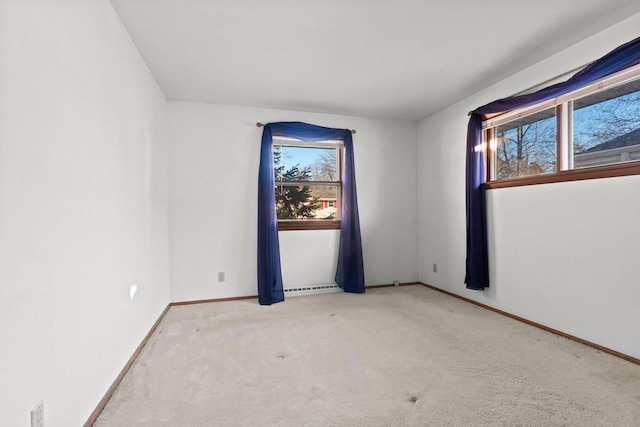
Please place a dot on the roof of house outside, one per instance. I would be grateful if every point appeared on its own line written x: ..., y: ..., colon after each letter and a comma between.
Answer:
x: 625, y: 140
x: 323, y: 193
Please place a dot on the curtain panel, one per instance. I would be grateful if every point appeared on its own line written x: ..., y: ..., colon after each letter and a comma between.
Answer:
x: 350, y: 270
x: 477, y: 262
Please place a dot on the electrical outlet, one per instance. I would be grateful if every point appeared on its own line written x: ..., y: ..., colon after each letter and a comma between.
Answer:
x: 435, y: 268
x: 221, y: 276
x: 37, y: 415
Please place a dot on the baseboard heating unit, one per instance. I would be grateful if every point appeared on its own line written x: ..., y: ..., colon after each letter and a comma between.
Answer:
x: 312, y: 290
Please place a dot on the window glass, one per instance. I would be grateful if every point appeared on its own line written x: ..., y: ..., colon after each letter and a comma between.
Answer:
x: 526, y: 146
x: 606, y: 126
x: 305, y: 163
x: 296, y: 202
x: 308, y: 181
x: 595, y: 131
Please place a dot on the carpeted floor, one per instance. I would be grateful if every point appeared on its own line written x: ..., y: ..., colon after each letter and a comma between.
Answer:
x: 407, y: 356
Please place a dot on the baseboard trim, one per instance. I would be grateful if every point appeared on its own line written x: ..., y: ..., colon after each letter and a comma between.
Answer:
x: 205, y: 301
x: 103, y: 402
x: 391, y: 285
x: 540, y: 326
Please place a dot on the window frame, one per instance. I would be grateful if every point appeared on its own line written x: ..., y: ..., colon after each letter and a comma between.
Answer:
x: 312, y: 224
x: 564, y: 139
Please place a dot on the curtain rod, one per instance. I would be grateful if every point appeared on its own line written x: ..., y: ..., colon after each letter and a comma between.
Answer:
x: 262, y: 124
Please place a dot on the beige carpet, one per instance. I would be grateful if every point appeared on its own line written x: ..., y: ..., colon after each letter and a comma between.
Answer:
x: 407, y: 356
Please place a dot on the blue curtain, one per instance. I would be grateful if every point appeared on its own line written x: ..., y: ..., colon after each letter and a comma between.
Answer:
x: 269, y: 272
x: 350, y: 271
x: 477, y: 274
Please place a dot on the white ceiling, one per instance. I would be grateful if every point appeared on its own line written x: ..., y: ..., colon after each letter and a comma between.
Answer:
x: 402, y: 59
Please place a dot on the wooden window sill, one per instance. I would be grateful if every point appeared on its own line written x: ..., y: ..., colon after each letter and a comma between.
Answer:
x: 307, y: 224
x: 607, y: 171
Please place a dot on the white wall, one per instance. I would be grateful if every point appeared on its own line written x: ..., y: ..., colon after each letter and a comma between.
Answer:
x: 214, y: 156
x: 564, y: 255
x: 83, y: 206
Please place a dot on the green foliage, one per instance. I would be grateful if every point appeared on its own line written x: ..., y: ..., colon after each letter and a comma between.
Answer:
x: 293, y: 202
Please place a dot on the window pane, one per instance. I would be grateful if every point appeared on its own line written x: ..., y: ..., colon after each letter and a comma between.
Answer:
x: 606, y: 126
x: 295, y: 202
x: 305, y: 163
x: 526, y: 146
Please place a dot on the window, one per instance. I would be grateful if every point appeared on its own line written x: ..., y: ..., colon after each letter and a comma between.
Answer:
x: 593, y: 132
x: 606, y: 126
x: 526, y: 146
x: 308, y: 183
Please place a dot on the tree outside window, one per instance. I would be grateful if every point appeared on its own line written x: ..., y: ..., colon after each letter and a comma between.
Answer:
x: 526, y: 146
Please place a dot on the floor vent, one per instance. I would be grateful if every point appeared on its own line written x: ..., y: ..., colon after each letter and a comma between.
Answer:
x: 312, y: 290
